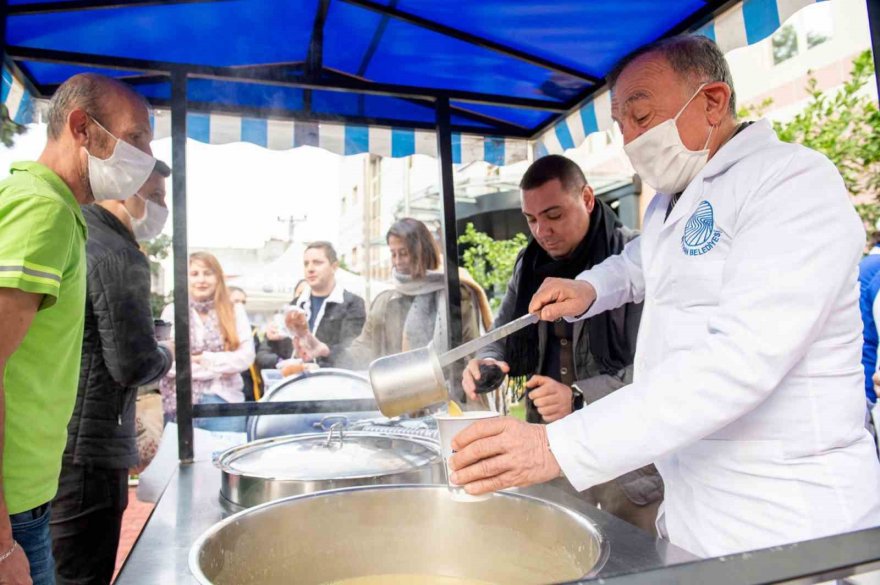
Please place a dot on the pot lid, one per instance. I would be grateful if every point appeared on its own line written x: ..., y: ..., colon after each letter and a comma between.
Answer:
x: 334, y: 455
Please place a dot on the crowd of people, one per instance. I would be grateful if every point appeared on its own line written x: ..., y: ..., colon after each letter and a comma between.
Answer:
x: 75, y: 290
x: 740, y: 408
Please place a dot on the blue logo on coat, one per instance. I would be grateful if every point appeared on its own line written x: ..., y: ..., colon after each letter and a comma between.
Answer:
x: 700, y: 234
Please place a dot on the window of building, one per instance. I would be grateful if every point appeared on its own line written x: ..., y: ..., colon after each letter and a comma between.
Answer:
x: 785, y: 44
x: 809, y: 28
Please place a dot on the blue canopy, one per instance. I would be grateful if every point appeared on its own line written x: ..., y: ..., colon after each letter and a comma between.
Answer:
x: 363, y: 75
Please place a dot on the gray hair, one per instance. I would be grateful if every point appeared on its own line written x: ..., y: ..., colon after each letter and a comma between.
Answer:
x: 693, y: 57
x: 84, y: 91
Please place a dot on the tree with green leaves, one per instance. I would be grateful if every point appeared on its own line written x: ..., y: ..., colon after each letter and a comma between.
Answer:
x: 157, y: 250
x: 8, y: 128
x: 844, y: 126
x: 490, y: 261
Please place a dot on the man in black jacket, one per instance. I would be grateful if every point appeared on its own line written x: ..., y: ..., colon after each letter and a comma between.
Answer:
x: 570, y: 364
x: 333, y: 314
x: 119, y: 354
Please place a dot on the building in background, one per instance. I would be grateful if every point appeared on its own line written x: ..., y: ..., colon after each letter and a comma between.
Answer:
x: 822, y: 38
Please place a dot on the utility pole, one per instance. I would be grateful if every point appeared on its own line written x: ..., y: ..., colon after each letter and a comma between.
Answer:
x: 291, y: 222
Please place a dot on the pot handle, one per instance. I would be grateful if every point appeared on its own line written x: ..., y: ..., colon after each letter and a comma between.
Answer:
x: 337, y: 426
x: 333, y: 419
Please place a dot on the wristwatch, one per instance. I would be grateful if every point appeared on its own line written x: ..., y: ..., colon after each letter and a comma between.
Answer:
x: 577, y: 398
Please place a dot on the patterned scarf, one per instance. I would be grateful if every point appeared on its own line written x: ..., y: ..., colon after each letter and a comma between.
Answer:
x: 207, y: 338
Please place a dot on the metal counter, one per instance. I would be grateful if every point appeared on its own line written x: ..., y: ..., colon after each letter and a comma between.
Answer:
x: 191, y: 504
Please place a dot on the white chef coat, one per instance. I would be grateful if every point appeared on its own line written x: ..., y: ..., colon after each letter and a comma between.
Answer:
x: 748, y: 392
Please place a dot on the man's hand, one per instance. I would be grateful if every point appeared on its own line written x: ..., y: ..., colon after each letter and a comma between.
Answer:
x: 551, y: 397
x: 308, y: 347
x: 15, y: 569
x: 876, y: 379
x: 296, y: 321
x: 472, y: 373
x: 560, y: 297
x: 500, y: 453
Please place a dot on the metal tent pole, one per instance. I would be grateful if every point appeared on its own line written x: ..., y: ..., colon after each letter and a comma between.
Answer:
x: 3, y: 16
x: 874, y: 26
x: 450, y: 234
x: 181, y: 267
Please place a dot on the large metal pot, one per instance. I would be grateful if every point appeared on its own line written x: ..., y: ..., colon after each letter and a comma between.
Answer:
x: 279, y: 467
x: 406, y: 531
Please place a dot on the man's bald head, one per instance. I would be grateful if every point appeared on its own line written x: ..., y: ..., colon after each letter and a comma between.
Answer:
x: 92, y: 93
x: 89, y: 116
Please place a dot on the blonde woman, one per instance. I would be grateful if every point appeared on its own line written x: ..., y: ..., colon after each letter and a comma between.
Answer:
x: 220, y: 344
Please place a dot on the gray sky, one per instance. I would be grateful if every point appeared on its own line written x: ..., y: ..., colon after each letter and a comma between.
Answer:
x: 237, y: 191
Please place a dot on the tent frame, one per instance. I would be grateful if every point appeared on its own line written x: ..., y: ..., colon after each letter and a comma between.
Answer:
x: 809, y: 562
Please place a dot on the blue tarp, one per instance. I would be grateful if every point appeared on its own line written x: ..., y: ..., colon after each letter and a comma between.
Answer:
x: 552, y: 52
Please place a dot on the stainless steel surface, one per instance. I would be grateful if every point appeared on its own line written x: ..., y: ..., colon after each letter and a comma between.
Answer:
x: 279, y: 467
x: 190, y: 505
x: 479, y: 343
x: 408, y: 381
x: 413, y: 380
x: 509, y: 539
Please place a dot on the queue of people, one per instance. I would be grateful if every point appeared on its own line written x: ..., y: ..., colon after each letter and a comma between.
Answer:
x: 676, y: 378
x: 75, y: 292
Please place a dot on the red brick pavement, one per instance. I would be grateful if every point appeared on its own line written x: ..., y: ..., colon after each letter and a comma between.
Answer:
x: 133, y: 521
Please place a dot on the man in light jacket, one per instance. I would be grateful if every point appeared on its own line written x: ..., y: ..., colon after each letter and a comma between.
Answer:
x: 748, y: 392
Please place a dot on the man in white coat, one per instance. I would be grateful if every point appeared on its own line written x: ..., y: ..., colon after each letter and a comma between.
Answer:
x: 748, y: 389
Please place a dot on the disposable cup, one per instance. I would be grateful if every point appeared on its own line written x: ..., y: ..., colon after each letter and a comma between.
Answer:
x: 448, y: 426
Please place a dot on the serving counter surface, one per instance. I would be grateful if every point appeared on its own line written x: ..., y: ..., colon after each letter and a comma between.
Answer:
x: 191, y: 504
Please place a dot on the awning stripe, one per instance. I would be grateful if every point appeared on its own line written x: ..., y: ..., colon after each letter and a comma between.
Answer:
x: 403, y: 142
x: 493, y: 150
x: 255, y: 131
x: 744, y: 24
x: 341, y: 139
x: 16, y: 98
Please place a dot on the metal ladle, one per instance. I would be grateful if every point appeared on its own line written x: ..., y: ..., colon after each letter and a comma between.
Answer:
x: 412, y: 380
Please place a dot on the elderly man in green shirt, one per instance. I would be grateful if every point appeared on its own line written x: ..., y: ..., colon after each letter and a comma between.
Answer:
x: 98, y: 148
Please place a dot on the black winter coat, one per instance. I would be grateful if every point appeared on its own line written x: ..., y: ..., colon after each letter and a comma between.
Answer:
x: 340, y: 325
x: 119, y: 352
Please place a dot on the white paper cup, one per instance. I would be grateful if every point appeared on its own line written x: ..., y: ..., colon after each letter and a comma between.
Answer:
x: 448, y: 426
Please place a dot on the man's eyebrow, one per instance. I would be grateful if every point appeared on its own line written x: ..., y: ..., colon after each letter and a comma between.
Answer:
x: 636, y: 96
x: 548, y: 210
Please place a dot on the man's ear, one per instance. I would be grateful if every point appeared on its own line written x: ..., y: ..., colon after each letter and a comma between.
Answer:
x: 77, y: 122
x: 589, y: 198
x: 717, y: 101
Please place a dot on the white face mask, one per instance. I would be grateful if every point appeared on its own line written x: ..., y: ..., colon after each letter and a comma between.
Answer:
x: 122, y: 174
x: 662, y: 160
x: 150, y: 225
